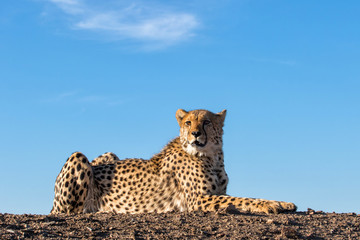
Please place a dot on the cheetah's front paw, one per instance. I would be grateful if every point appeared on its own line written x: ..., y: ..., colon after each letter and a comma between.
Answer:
x: 276, y: 207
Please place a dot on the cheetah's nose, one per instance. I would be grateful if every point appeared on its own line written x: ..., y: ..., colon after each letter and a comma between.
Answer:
x: 196, y: 134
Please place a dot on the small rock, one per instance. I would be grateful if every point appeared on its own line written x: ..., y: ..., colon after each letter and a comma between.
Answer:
x: 25, y: 225
x: 289, y: 232
x: 270, y: 221
x: 49, y: 223
x: 310, y: 211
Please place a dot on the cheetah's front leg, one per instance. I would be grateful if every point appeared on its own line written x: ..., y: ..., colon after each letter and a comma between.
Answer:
x: 74, y: 186
x: 214, y: 202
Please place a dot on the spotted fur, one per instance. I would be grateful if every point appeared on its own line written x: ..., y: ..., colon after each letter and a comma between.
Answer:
x: 187, y: 175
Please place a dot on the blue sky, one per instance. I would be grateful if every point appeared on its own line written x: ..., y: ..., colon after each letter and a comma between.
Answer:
x: 98, y: 76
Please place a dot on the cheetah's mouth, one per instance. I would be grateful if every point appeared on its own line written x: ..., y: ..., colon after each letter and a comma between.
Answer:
x: 198, y: 144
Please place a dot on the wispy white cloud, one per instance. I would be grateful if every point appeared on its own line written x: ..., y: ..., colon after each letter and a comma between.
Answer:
x: 61, y: 96
x: 76, y: 97
x: 131, y: 20
x: 73, y: 7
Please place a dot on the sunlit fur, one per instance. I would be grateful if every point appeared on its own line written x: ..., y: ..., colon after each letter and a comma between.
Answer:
x: 210, y: 127
x: 188, y: 174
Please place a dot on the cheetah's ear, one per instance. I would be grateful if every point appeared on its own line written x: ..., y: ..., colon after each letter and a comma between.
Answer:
x: 180, y: 114
x: 222, y: 115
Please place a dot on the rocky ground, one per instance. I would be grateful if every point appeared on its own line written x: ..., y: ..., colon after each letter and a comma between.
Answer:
x: 225, y: 224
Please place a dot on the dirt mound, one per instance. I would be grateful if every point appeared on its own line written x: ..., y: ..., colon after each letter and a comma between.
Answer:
x: 197, y: 225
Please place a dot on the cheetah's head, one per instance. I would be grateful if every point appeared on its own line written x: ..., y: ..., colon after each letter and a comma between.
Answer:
x: 201, y: 131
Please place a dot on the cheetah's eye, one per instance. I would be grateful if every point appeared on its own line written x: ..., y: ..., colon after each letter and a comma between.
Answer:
x: 207, y: 122
x: 188, y: 123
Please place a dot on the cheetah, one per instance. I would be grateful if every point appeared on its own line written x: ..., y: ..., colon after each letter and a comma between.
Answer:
x: 187, y: 175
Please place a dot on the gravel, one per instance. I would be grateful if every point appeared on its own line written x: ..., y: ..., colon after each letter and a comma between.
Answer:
x: 224, y: 224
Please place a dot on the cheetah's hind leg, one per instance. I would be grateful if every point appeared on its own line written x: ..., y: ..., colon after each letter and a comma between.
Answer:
x: 106, y: 158
x: 74, y: 186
